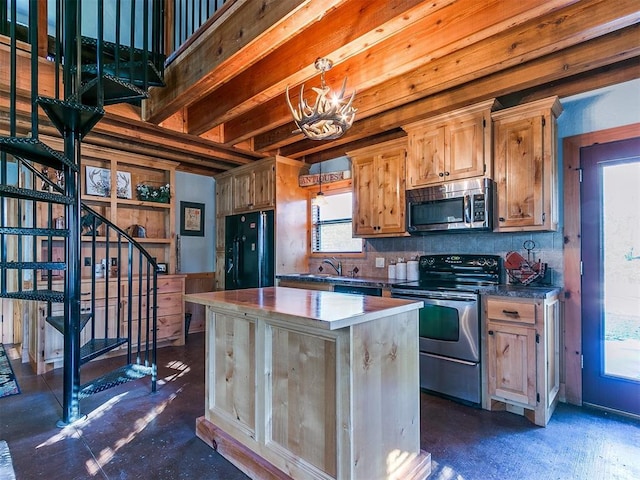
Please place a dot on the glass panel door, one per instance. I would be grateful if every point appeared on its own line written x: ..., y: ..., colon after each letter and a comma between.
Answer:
x: 610, y: 207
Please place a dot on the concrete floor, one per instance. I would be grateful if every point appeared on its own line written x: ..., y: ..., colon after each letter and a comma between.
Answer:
x: 130, y: 433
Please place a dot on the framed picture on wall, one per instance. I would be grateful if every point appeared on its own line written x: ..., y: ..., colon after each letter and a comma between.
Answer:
x: 192, y: 219
x: 98, y: 181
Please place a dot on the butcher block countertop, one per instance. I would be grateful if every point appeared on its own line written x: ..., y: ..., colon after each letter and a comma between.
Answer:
x: 326, y: 310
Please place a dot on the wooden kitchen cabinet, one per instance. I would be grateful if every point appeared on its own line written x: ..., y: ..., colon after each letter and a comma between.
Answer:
x: 253, y: 187
x: 46, y: 344
x: 525, y: 163
x: 379, y: 189
x: 452, y: 146
x: 267, y: 184
x: 170, y: 326
x: 521, y: 372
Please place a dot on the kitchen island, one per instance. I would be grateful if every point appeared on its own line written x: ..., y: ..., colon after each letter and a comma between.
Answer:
x: 313, y: 385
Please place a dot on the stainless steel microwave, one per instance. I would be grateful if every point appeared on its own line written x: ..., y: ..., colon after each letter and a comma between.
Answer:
x: 452, y: 206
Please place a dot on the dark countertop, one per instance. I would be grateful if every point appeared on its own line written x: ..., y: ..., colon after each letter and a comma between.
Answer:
x: 520, y: 291
x: 339, y: 280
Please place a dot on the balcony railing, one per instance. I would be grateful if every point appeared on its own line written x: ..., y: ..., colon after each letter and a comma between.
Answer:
x: 185, y: 19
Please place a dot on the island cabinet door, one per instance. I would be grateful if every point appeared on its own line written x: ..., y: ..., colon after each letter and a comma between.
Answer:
x: 301, y: 401
x: 231, y: 374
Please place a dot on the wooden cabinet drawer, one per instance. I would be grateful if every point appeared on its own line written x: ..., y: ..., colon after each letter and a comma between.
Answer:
x: 170, y: 284
x: 166, y: 284
x: 510, y: 311
x: 170, y: 327
x: 168, y: 304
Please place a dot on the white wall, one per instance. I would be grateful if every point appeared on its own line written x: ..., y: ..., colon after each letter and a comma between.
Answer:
x: 600, y: 109
x: 197, y: 254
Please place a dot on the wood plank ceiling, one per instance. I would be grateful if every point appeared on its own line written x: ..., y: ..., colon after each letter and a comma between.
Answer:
x: 406, y: 59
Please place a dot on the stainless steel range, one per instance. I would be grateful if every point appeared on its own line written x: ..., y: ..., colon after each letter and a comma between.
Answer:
x: 449, y: 286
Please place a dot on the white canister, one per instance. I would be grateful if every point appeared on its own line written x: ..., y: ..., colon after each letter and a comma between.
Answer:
x: 401, y: 270
x: 412, y: 270
x: 392, y: 271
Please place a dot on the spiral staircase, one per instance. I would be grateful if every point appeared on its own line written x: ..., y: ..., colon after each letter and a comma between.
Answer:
x: 116, y: 62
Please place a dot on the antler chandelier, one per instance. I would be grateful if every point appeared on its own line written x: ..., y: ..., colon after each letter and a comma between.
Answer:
x: 331, y: 115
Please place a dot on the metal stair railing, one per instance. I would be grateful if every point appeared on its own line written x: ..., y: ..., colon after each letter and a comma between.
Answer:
x: 89, y: 72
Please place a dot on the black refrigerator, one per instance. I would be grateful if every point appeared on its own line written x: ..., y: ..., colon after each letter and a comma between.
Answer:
x: 249, y: 250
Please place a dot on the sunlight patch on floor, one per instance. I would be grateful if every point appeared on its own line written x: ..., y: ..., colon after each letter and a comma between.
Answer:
x: 106, y: 455
x: 180, y: 368
x: 443, y: 472
x: 74, y: 430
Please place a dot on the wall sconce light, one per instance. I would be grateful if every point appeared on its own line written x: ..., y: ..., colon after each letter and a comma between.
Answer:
x: 331, y: 115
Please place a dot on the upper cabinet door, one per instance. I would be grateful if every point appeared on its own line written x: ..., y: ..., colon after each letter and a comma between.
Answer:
x: 452, y: 146
x: 465, y: 140
x: 525, y: 166
x: 264, y: 186
x: 364, y: 205
x: 425, y: 164
x: 243, y: 190
x: 224, y: 200
x: 379, y: 189
x: 390, y: 171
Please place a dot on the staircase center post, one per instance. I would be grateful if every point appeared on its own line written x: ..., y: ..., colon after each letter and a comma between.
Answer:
x: 72, y: 150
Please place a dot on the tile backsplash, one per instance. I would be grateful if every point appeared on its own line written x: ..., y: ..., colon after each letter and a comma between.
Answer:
x: 548, y: 249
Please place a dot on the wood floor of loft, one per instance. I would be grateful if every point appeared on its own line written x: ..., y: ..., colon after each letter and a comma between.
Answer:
x: 130, y: 432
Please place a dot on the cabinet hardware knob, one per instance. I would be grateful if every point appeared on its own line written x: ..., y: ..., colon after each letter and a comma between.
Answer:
x: 501, y: 219
x: 446, y: 174
x: 510, y: 312
x: 490, y: 332
x: 441, y: 174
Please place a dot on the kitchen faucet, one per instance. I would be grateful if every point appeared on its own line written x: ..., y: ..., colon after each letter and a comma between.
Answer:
x: 337, y: 268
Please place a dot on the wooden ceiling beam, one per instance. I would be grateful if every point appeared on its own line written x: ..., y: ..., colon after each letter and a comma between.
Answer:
x: 293, y: 62
x: 559, y: 30
x: 150, y: 134
x: 247, y: 32
x: 116, y: 142
x: 619, y: 46
x: 448, y: 29
x: 603, y: 77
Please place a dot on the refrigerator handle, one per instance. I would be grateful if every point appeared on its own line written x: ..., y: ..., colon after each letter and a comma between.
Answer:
x: 235, y: 259
x: 261, y: 246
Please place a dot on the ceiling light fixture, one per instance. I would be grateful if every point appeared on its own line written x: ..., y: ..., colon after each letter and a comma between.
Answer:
x: 332, y: 114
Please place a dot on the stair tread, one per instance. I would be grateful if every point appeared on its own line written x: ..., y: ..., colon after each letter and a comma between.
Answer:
x: 35, y: 232
x: 57, y: 321
x: 125, y: 52
x: 54, y: 296
x: 116, y: 377
x: 115, y: 90
x: 133, y: 71
x: 99, y: 346
x: 29, y: 194
x: 34, y: 265
x: 74, y: 116
x: 33, y: 149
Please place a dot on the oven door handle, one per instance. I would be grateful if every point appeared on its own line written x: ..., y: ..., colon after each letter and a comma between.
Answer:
x: 449, y: 359
x: 426, y: 296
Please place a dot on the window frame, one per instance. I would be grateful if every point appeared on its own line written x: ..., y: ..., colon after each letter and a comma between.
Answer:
x: 334, y: 188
